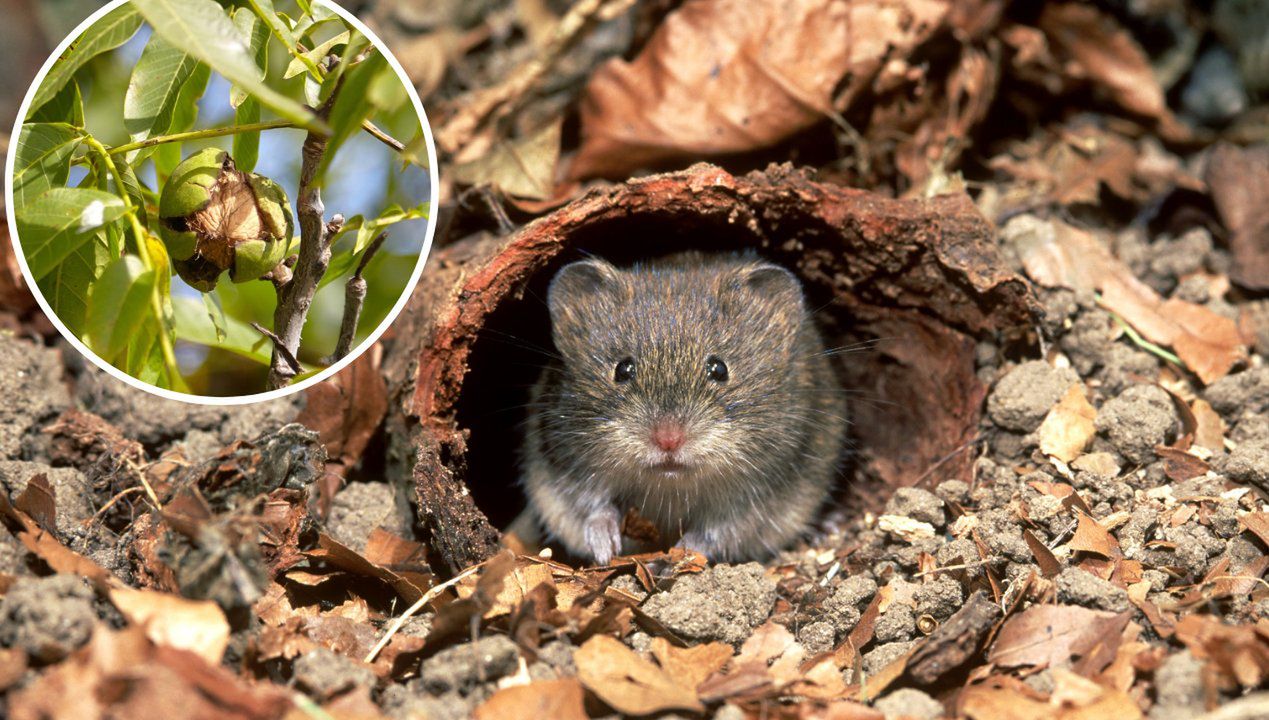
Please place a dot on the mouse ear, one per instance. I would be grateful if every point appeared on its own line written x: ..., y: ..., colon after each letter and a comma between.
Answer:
x: 772, y: 282
x: 581, y: 280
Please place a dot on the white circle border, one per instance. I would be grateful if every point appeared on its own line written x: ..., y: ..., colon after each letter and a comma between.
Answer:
x: 434, y: 190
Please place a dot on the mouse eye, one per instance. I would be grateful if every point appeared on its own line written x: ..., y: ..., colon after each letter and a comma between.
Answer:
x: 716, y: 369
x: 624, y: 371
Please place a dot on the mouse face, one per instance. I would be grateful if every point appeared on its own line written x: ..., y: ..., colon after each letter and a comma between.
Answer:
x: 675, y: 371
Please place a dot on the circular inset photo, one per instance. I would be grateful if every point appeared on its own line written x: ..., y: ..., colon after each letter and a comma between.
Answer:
x: 221, y: 202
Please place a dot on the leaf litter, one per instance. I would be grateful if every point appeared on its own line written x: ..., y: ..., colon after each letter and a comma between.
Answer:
x: 1105, y: 560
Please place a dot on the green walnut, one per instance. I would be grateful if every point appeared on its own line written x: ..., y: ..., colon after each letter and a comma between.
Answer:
x: 214, y: 217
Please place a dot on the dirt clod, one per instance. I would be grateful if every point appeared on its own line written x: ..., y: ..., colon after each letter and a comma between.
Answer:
x: 462, y: 668
x: 1025, y: 394
x: 361, y: 507
x: 723, y: 603
x: 323, y: 674
x: 32, y: 390
x: 1137, y: 420
x: 47, y: 617
x: 1080, y: 587
x: 917, y: 504
x: 909, y: 703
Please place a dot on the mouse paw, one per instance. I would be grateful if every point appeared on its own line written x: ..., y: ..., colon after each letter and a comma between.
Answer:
x: 602, y: 533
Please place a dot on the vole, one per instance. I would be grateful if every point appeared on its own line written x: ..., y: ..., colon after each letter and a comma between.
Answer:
x: 695, y: 390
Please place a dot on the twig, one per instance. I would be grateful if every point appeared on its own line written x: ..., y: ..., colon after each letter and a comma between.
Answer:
x: 418, y: 605
x: 296, y: 297
x: 293, y: 363
x: 354, y: 300
x: 371, y: 129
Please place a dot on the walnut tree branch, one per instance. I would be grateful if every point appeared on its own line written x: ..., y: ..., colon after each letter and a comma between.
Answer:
x: 354, y: 300
x: 295, y: 297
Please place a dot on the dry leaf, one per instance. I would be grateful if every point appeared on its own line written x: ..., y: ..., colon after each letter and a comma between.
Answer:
x: 561, y: 699
x: 523, y: 168
x: 198, y: 626
x: 1240, y: 653
x: 1091, y: 537
x: 1091, y: 700
x: 1239, y: 182
x: 1209, y: 429
x: 1049, y: 635
x: 1101, y: 51
x: 1068, y: 427
x: 1059, y: 255
x: 690, y: 666
x: 627, y: 682
x: 1179, y: 465
x: 1044, y: 557
x: 1258, y: 523
x: 734, y: 75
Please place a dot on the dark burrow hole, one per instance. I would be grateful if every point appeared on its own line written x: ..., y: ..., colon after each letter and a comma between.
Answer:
x: 515, y: 341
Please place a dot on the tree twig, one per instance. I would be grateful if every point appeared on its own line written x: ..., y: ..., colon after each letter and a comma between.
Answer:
x: 293, y: 363
x: 354, y: 300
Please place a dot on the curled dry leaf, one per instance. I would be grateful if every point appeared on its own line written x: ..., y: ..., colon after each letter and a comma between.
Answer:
x: 1209, y: 430
x: 1048, y: 635
x: 1068, y: 427
x: 1239, y: 183
x: 1098, y: 49
x: 1058, y: 255
x: 627, y: 682
x: 1239, y: 653
x: 690, y: 666
x: 559, y: 699
x: 198, y: 626
x: 1091, y: 537
x: 734, y: 75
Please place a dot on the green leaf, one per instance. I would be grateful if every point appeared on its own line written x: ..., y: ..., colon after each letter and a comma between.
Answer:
x: 42, y: 158
x: 138, y: 193
x: 204, y: 30
x: 106, y: 34
x: 257, y: 35
x: 58, y: 223
x: 67, y: 106
x: 155, y: 87
x: 351, y: 107
x: 315, y: 55
x: 119, y: 308
x: 216, y: 314
x: 194, y: 324
x: 184, y: 117
x: 281, y: 30
x: 356, y: 44
x: 246, y: 148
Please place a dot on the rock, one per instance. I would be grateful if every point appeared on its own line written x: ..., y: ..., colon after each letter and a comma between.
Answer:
x: 1026, y: 393
x: 1179, y: 688
x: 1137, y: 420
x: 724, y: 603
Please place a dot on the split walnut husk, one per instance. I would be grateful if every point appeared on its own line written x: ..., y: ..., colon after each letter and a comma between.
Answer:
x: 215, y: 217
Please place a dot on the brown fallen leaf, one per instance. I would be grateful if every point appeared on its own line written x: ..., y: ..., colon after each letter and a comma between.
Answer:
x: 1091, y: 537
x: 1209, y: 431
x: 1068, y: 427
x: 1239, y: 183
x: 1239, y: 653
x: 1258, y: 523
x: 1056, y: 254
x: 992, y: 701
x: 1179, y: 465
x: 1098, y: 49
x: 198, y: 626
x: 562, y: 699
x: 690, y: 666
x: 734, y: 75
x: 340, y: 556
x: 1079, y: 697
x: 1044, y: 557
x: 627, y: 682
x: 1051, y: 635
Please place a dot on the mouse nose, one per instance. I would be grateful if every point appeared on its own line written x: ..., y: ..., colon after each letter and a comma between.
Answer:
x: 669, y: 435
